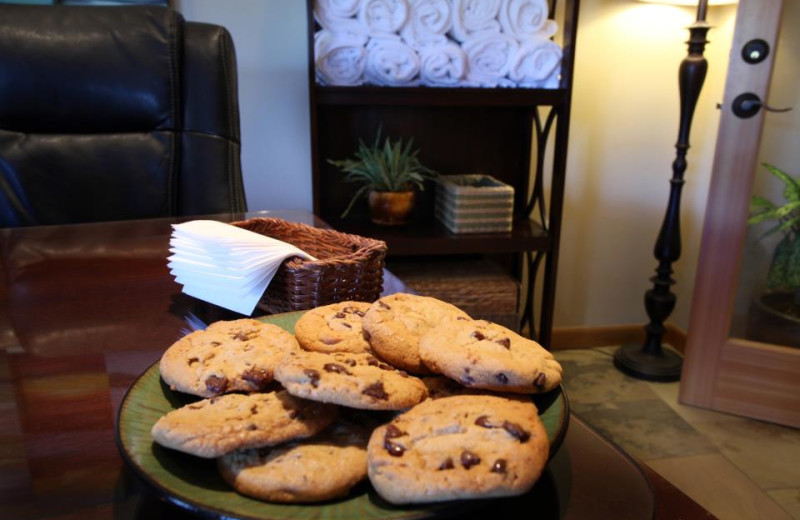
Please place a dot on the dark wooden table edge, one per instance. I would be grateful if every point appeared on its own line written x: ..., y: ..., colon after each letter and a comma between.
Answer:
x: 669, y: 502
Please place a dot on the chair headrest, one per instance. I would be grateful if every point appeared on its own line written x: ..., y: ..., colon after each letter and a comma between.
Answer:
x: 127, y: 63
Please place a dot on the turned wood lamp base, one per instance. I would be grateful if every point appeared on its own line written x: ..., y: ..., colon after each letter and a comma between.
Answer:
x: 662, y: 365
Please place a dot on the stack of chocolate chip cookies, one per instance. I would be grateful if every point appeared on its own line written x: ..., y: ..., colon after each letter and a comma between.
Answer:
x: 409, y: 392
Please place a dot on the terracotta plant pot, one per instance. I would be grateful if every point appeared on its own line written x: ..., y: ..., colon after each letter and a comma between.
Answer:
x: 391, y: 208
x: 773, y: 319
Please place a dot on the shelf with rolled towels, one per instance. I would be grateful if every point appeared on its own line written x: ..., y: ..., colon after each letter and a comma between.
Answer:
x: 436, y: 43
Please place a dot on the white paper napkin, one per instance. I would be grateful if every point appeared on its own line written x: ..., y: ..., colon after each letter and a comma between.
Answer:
x: 226, y: 265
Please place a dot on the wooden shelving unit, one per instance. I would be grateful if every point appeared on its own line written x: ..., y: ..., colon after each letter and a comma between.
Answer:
x: 518, y: 136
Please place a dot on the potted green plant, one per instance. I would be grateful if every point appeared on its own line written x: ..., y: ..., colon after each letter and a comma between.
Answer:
x: 388, y: 174
x: 775, y: 316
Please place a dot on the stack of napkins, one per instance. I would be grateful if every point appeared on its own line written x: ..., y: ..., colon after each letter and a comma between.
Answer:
x: 226, y: 265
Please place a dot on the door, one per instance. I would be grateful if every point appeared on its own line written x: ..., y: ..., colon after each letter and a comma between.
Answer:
x: 730, y: 365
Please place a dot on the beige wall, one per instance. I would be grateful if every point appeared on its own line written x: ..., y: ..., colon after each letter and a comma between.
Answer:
x: 622, y: 135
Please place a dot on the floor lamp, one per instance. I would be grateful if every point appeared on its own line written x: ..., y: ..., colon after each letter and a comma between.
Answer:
x: 651, y: 361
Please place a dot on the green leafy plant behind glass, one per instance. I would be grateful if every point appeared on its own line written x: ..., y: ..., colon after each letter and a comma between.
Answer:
x: 784, y: 271
x: 393, y: 166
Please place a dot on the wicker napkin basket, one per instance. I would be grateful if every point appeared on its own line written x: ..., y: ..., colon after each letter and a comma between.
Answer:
x: 349, y: 267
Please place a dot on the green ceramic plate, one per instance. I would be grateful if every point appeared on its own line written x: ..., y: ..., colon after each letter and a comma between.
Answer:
x: 194, y: 484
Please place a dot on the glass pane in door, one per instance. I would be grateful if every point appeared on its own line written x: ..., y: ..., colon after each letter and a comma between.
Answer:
x: 767, y: 307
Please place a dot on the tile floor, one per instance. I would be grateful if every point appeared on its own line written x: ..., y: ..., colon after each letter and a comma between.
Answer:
x: 736, y: 468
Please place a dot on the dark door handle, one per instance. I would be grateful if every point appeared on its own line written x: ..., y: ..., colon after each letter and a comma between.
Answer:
x: 748, y: 104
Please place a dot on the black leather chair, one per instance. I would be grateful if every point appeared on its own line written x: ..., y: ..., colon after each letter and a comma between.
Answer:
x: 115, y: 113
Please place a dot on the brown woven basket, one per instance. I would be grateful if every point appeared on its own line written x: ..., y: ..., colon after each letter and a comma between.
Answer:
x: 349, y: 267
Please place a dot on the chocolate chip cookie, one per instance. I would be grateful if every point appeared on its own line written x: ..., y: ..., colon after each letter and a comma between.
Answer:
x: 302, y: 471
x: 349, y: 379
x: 458, y: 447
x: 394, y: 325
x: 481, y: 354
x: 219, y: 425
x: 229, y: 356
x: 333, y: 328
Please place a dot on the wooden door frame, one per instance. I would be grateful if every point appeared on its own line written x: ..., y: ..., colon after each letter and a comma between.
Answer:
x: 721, y: 372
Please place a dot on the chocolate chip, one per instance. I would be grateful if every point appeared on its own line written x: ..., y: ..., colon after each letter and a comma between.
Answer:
x: 376, y: 390
x: 251, y: 427
x: 477, y: 335
x: 383, y: 305
x: 469, y: 459
x: 358, y: 313
x: 447, y: 464
x: 336, y: 368
x: 462, y: 318
x: 501, y: 378
x: 313, y: 376
x: 254, y: 409
x: 506, y: 342
x: 365, y: 335
x: 374, y: 362
x: 215, y: 343
x: 193, y: 360
x: 339, y: 315
x: 483, y: 420
x: 216, y: 384
x: 540, y: 381
x: 257, y: 377
x: 350, y: 362
x: 516, y: 431
x: 331, y: 341
x: 467, y: 380
x: 347, y: 325
x: 499, y: 466
x: 393, y: 432
x: 395, y: 450
x: 245, y: 335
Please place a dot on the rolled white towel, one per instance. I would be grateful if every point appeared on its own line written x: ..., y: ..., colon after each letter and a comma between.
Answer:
x: 427, y: 24
x: 337, y: 16
x: 339, y: 59
x: 489, y: 58
x: 551, y: 81
x: 383, y: 16
x: 536, y: 63
x: 442, y: 65
x: 523, y: 19
x: 390, y: 62
x: 475, y: 18
x: 335, y: 9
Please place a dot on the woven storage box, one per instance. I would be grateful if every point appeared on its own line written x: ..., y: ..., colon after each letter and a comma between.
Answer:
x: 474, y: 204
x: 478, y: 287
x: 349, y: 267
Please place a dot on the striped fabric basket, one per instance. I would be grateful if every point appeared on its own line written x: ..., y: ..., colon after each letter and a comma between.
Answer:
x: 474, y: 204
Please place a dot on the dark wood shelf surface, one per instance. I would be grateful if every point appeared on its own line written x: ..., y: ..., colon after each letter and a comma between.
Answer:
x: 430, y: 96
x: 432, y: 238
